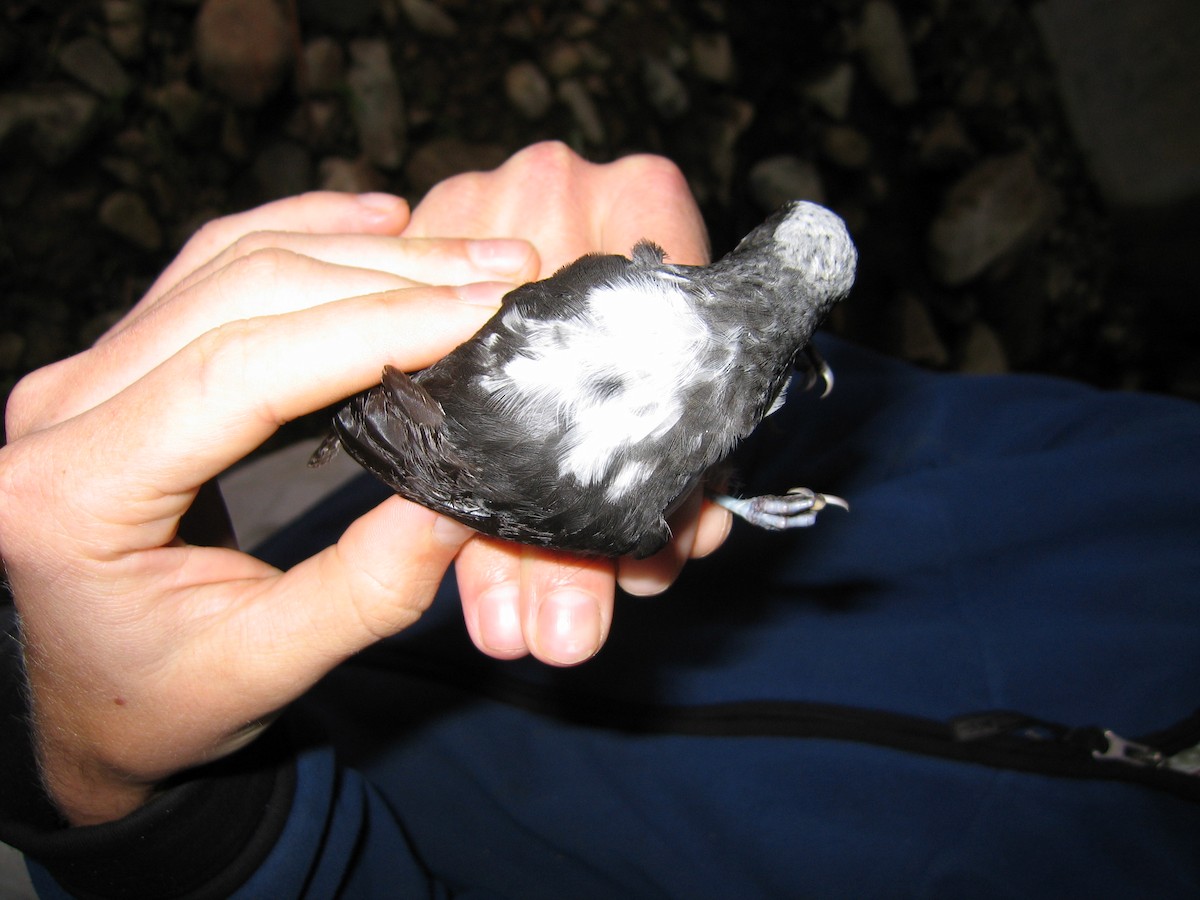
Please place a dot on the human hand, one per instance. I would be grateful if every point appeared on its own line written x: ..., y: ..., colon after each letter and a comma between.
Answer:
x: 145, y: 655
x: 520, y: 599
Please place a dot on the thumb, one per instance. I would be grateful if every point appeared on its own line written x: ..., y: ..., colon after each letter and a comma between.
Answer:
x: 373, y: 583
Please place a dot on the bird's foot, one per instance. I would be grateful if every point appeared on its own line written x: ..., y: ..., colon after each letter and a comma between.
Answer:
x: 797, y: 508
x: 817, y: 371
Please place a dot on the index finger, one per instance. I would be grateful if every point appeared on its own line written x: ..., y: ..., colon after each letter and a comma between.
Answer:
x: 226, y: 392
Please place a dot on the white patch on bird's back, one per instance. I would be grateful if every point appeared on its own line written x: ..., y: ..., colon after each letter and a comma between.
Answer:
x: 610, y: 377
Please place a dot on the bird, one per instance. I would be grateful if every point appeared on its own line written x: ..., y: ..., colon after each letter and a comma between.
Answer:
x: 595, y: 400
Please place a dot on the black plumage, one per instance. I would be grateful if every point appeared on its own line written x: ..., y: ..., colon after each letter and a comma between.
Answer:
x: 596, y: 399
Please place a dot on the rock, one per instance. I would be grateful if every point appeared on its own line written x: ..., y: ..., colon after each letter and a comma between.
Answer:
x: 981, y: 352
x: 376, y: 103
x: 528, y: 90
x: 429, y: 18
x: 324, y: 65
x: 885, y: 52
x: 441, y: 158
x: 340, y: 15
x: 666, y: 93
x: 997, y: 206
x: 777, y: 179
x: 944, y: 142
x: 712, y: 57
x: 283, y: 169
x: 832, y: 93
x: 572, y: 93
x: 919, y: 341
x: 318, y: 123
x: 564, y: 59
x: 735, y: 117
x: 1128, y: 78
x: 126, y: 214
x: 243, y: 48
x: 55, y: 123
x: 89, y: 62
x: 182, y: 104
x: 352, y: 176
x: 12, y: 348
x: 126, y: 21
x: 845, y: 146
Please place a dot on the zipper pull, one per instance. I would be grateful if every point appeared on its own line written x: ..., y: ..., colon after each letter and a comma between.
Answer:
x: 1119, y: 749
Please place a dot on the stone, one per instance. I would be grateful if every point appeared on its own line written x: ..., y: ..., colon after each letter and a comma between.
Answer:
x: 324, y: 65
x: 735, y: 117
x: 429, y: 18
x: 564, y: 59
x: 664, y: 89
x: 352, y: 176
x: 944, y: 142
x: 919, y: 341
x: 777, y: 179
x: 577, y: 99
x: 340, y: 15
x: 1129, y: 78
x: 90, y: 63
x: 996, y: 207
x: 283, y: 169
x: 832, y: 93
x: 441, y: 158
x: 885, y: 52
x: 182, y: 104
x: 126, y: 28
x: 12, y: 348
x: 845, y: 146
x: 712, y: 57
x: 376, y: 103
x: 126, y: 214
x: 243, y: 48
x: 981, y: 352
x: 528, y: 90
x: 55, y: 124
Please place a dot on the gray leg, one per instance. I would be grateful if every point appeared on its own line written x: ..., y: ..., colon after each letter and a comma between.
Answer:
x: 797, y: 508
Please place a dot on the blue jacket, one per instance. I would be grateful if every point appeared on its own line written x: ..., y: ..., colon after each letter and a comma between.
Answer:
x: 787, y: 720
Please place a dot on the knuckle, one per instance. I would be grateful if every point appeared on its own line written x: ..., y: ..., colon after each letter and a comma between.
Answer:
x: 262, y: 263
x: 33, y: 400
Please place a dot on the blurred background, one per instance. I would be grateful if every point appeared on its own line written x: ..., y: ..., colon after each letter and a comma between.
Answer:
x: 1021, y: 178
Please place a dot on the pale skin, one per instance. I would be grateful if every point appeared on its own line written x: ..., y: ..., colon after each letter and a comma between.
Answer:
x: 147, y: 656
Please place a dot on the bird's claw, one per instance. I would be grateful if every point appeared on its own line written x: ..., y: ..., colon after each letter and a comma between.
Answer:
x: 797, y: 508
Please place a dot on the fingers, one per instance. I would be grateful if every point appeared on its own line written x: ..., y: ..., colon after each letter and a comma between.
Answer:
x: 377, y: 580
x: 648, y: 197
x: 568, y: 206
x: 226, y: 392
x: 319, y: 212
x: 262, y: 274
x: 415, y: 261
x: 519, y: 600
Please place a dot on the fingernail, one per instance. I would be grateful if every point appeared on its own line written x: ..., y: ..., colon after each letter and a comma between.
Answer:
x: 568, y: 623
x: 644, y: 583
x: 500, y: 619
x: 483, y: 293
x: 504, y: 257
x: 450, y: 533
x: 382, y: 205
x: 380, y: 202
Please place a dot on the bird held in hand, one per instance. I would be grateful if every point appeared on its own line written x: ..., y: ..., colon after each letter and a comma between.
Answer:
x: 595, y: 400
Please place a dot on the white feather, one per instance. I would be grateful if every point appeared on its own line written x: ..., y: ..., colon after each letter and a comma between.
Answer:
x: 610, y: 377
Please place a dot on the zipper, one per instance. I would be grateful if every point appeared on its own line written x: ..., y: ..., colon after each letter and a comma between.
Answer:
x: 1168, y: 760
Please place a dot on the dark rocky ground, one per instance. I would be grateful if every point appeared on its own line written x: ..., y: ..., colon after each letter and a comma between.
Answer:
x: 938, y: 134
